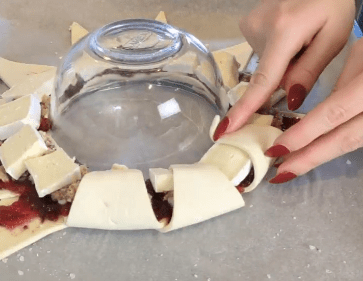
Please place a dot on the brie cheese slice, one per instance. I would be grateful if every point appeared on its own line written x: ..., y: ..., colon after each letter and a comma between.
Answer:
x: 26, y: 143
x: 113, y: 200
x: 201, y: 192
x: 187, y: 63
x: 254, y: 140
x: 161, y: 179
x: 77, y: 32
x: 52, y: 171
x: 242, y: 52
x: 228, y: 67
x: 161, y: 17
x: 13, y: 73
x: 237, y: 92
x: 38, y: 84
x: 14, y: 115
x: 232, y: 161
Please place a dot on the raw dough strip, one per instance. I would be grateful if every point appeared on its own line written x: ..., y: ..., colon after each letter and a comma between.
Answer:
x: 13, y: 73
x: 201, y: 192
x: 125, y: 206
x: 17, y: 239
x: 254, y: 140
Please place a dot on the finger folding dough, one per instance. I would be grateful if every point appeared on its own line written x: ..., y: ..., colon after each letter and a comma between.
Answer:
x: 113, y: 200
x: 13, y: 73
x: 201, y: 192
x: 254, y: 140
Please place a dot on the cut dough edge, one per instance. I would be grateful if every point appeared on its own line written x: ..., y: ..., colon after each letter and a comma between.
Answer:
x: 127, y: 208
x: 77, y: 32
x: 13, y: 73
x: 199, y: 185
x: 19, y: 238
x: 254, y: 140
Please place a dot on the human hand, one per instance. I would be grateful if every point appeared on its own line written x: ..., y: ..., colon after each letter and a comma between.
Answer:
x: 330, y: 130
x: 295, y: 41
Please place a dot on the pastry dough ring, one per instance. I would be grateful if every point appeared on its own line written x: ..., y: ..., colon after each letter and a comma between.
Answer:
x: 254, y: 140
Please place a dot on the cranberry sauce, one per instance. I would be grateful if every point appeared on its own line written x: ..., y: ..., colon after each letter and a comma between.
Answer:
x: 161, y: 207
x: 247, y: 181
x: 29, y: 206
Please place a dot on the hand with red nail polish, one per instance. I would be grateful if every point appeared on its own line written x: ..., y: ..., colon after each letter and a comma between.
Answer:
x: 295, y: 41
x: 331, y: 129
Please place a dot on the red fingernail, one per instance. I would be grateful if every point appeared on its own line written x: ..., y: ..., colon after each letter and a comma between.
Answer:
x: 276, y: 165
x: 277, y: 151
x: 222, y: 127
x: 296, y: 96
x: 283, y: 177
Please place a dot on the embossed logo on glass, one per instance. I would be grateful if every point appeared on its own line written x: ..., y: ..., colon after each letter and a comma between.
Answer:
x: 138, y: 40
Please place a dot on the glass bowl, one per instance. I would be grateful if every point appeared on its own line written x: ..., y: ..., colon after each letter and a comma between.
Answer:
x: 136, y: 92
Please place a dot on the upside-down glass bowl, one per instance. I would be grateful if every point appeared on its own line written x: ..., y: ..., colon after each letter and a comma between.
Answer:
x: 123, y: 95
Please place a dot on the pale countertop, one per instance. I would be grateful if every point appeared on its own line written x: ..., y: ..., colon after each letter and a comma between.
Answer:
x: 308, y: 229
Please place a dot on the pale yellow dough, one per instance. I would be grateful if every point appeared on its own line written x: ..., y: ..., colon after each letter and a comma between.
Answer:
x: 161, y: 17
x: 13, y: 73
x: 12, y: 241
x: 77, y: 32
x: 201, y: 192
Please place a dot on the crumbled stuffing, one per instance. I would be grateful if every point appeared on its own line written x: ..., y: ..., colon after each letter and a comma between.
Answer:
x: 49, y: 141
x: 67, y: 193
x: 45, y: 106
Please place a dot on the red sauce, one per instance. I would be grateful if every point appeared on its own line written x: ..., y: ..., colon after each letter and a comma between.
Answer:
x: 247, y: 181
x: 29, y: 206
x: 288, y: 122
x: 45, y: 124
x: 161, y: 207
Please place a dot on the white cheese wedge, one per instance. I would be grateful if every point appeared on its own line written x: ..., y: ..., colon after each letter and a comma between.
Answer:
x: 52, y: 171
x: 201, y: 192
x: 13, y: 73
x: 118, y: 167
x: 21, y: 237
x: 232, y: 161
x: 25, y: 144
x: 205, y: 73
x: 14, y: 115
x: 162, y: 179
x: 242, y: 52
x: 259, y: 119
x: 187, y: 63
x: 237, y: 92
x: 228, y: 67
x: 254, y: 140
x: 161, y: 17
x: 113, y: 200
x: 38, y: 84
x: 77, y: 32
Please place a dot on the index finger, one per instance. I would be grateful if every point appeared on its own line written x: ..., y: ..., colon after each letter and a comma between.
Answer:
x: 272, y: 66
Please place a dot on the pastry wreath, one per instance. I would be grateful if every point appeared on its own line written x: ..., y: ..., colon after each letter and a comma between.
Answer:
x: 34, y: 204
